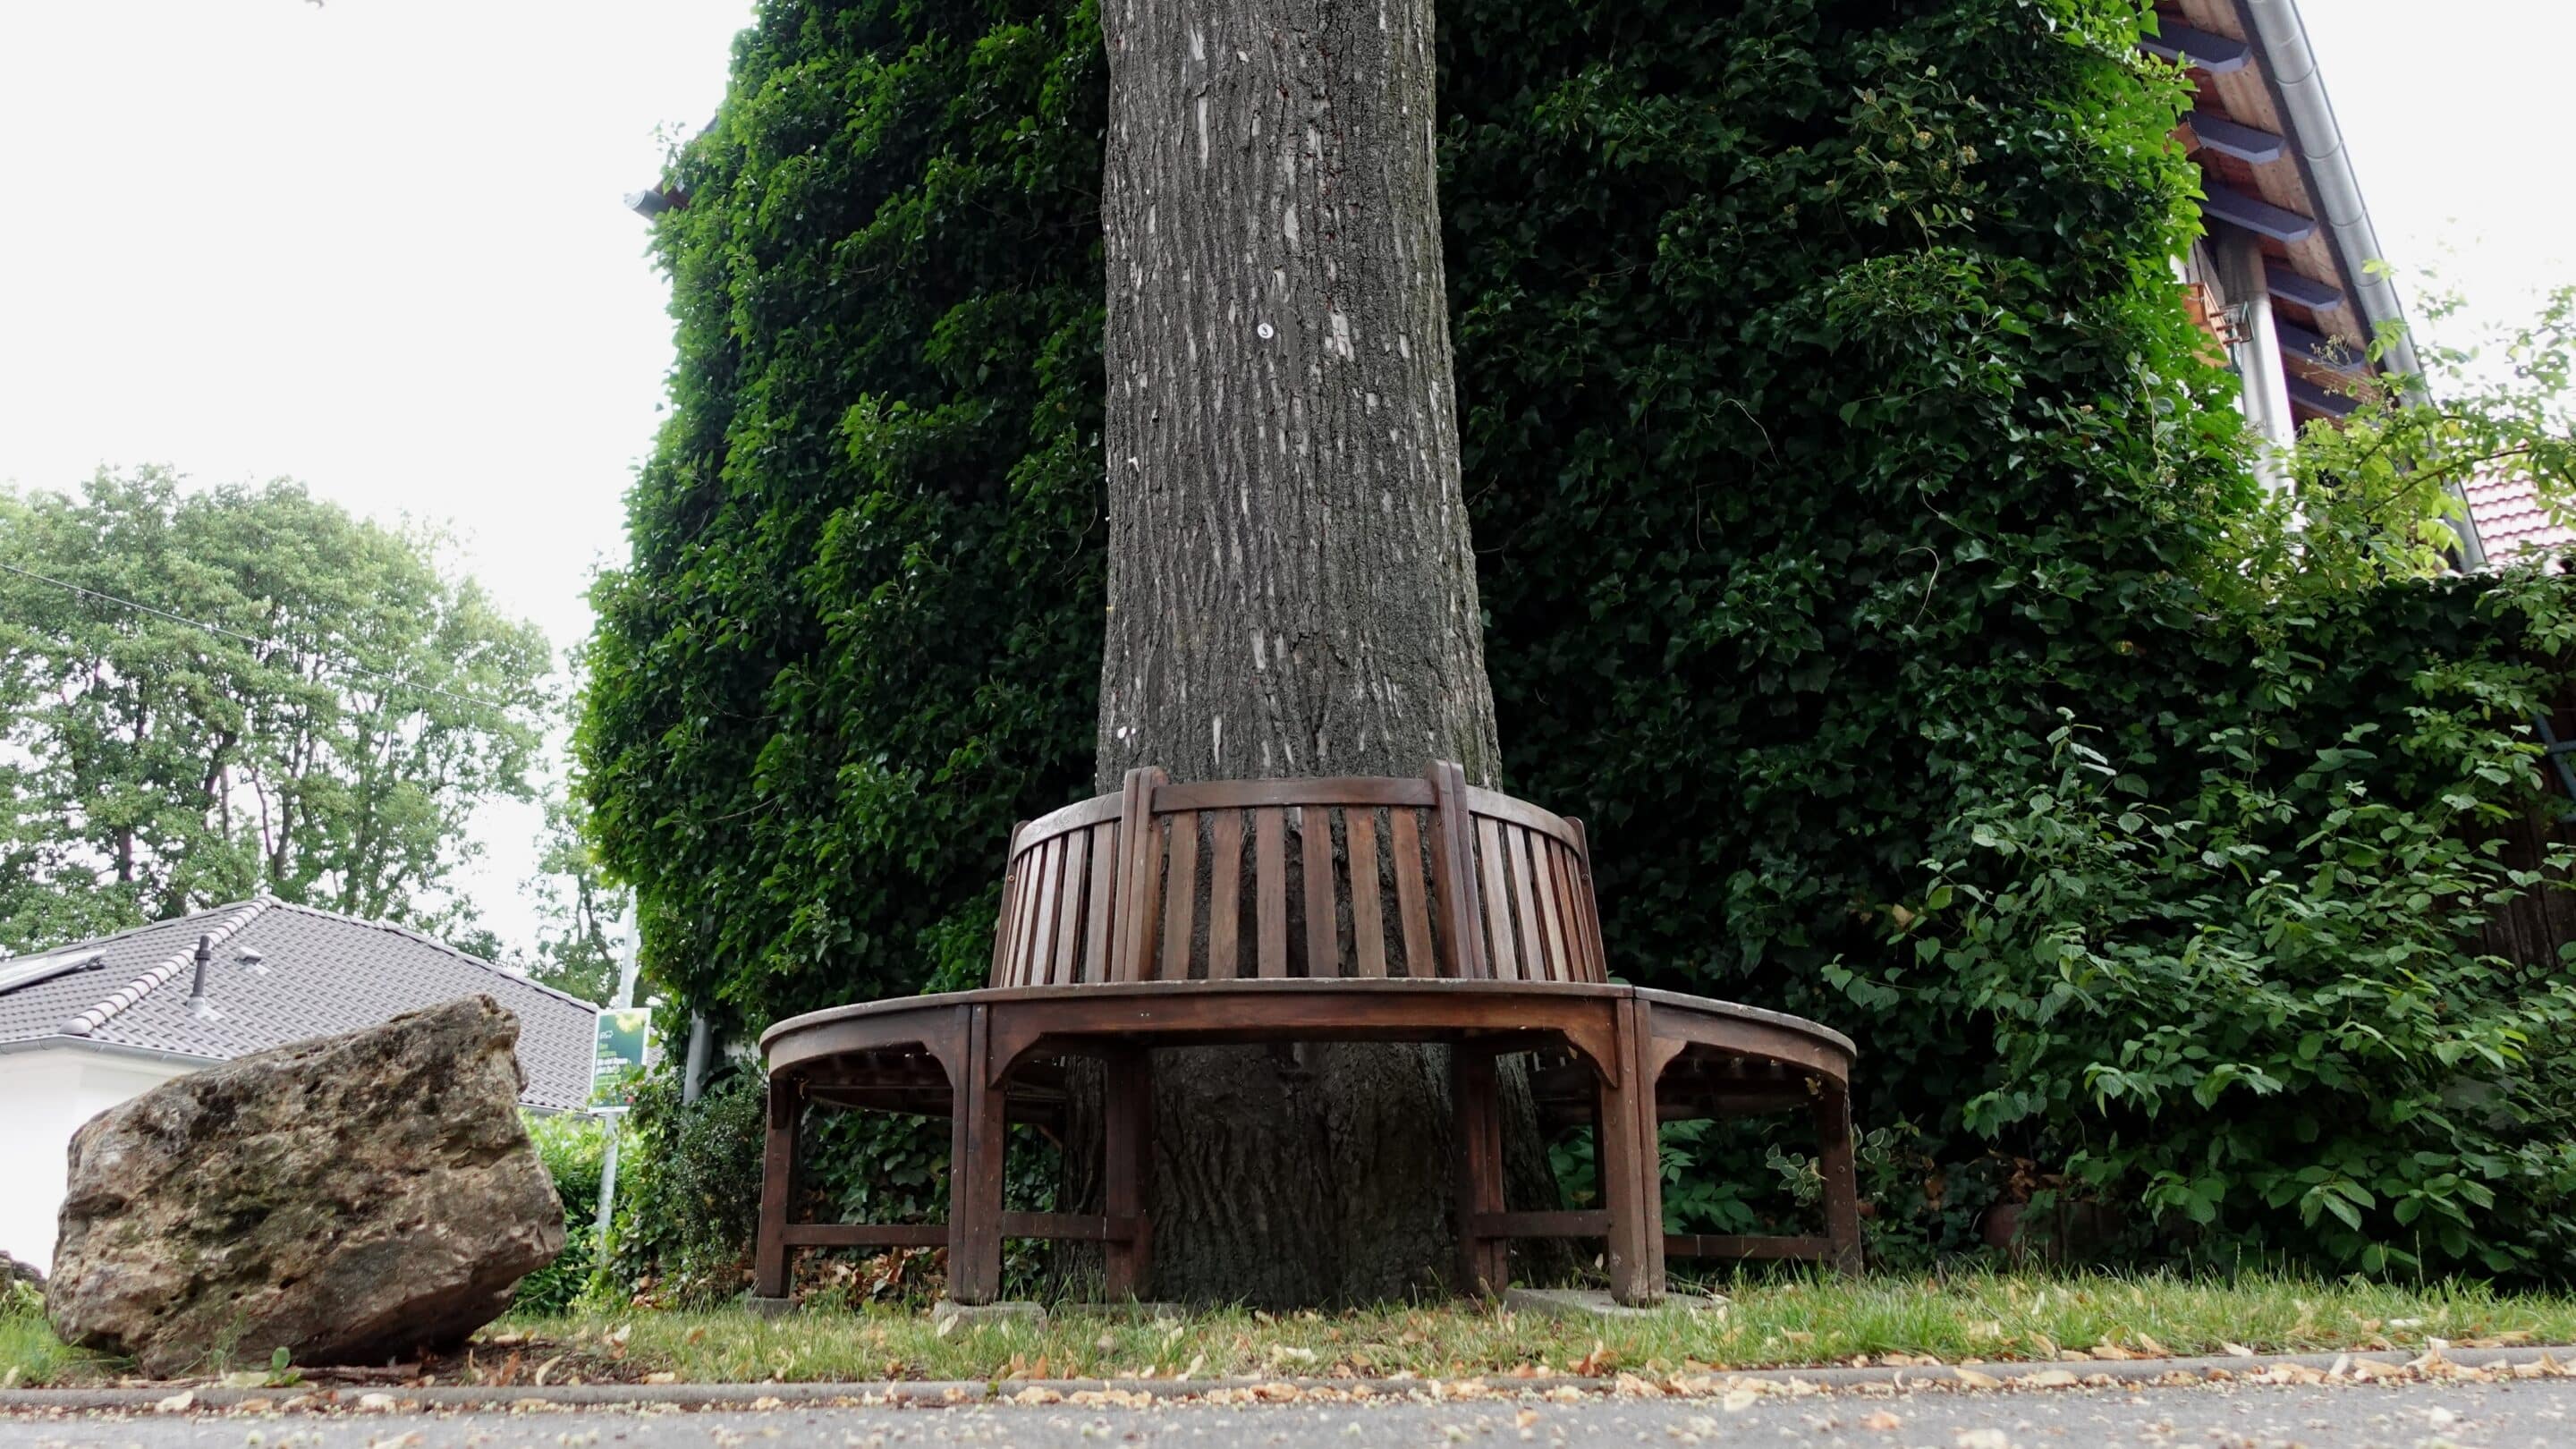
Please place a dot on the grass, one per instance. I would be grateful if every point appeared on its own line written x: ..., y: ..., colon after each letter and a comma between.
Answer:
x: 1952, y: 1319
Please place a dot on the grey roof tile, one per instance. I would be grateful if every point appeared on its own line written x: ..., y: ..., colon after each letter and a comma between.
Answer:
x: 323, y: 973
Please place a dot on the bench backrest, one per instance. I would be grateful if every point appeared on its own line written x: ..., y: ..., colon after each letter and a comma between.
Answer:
x: 1350, y: 877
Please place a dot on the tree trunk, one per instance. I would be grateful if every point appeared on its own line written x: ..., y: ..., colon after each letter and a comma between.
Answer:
x: 1291, y: 586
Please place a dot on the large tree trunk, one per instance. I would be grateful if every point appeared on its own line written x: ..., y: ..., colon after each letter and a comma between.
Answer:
x: 1291, y: 586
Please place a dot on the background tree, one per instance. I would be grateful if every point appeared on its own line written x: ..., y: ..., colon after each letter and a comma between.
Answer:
x: 582, y: 913
x: 325, y: 739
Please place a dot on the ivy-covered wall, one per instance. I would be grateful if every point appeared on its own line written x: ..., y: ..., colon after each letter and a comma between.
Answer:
x: 1833, y: 434
x: 859, y: 636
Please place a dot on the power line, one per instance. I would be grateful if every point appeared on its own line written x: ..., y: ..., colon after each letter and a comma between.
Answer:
x: 337, y: 665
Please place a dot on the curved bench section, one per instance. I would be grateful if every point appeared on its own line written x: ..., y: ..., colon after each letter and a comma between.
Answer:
x: 1344, y: 879
x: 1298, y: 910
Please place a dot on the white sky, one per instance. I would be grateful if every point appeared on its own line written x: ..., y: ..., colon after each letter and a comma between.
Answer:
x: 377, y: 245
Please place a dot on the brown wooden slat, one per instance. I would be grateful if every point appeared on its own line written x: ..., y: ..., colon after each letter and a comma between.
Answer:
x: 1516, y: 849
x: 1413, y: 915
x: 1368, y: 926
x: 1138, y: 848
x: 1050, y: 885
x: 1453, y: 873
x: 1323, y: 919
x: 1181, y: 896
x: 1067, y: 958
x: 1551, y: 908
x: 1225, y: 895
x: 1024, y: 933
x: 866, y: 1235
x: 1503, y: 807
x: 1104, y: 888
x: 1571, y: 895
x: 1149, y: 899
x: 1056, y: 822
x: 1493, y: 878
x: 1270, y: 889
x: 1248, y: 794
x: 1590, y: 903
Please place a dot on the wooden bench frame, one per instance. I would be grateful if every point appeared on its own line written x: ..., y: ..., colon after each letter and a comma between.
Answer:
x: 1495, y: 949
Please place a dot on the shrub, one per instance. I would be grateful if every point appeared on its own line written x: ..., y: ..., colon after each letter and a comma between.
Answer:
x: 688, y: 1196
x: 2245, y: 995
x: 575, y: 1148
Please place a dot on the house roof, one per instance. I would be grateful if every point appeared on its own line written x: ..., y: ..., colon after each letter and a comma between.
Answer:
x: 2273, y: 162
x: 316, y: 973
x: 2509, y: 517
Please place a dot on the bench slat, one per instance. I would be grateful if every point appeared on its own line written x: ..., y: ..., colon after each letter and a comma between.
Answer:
x: 1050, y: 884
x: 1104, y: 875
x: 1570, y: 904
x: 1525, y: 906
x: 1591, y: 907
x: 1323, y: 926
x: 1023, y: 939
x: 1225, y: 895
x: 1493, y: 879
x: 1066, y: 959
x: 1368, y: 930
x: 1413, y: 917
x: 1494, y: 805
x: 1551, y: 912
x: 1181, y: 896
x: 1270, y: 888
x: 1453, y: 877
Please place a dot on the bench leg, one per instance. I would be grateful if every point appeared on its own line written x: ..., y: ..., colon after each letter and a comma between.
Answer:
x: 1129, y: 1130
x: 1834, y: 1163
x: 1632, y: 1170
x: 1480, y: 1167
x: 777, y: 1189
x: 977, y: 1142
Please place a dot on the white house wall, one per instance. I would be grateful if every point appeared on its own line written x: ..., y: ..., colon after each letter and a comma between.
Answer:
x: 45, y: 1096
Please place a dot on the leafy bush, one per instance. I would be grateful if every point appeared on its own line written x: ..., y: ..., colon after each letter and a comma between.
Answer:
x: 575, y: 1148
x: 688, y: 1196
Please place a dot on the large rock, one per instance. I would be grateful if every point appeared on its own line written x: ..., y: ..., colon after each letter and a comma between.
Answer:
x: 348, y: 1199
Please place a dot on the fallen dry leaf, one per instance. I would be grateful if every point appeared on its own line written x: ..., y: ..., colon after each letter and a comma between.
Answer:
x: 1882, y: 1421
x: 2048, y: 1379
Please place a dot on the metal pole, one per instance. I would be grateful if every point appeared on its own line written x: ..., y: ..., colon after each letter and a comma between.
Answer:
x: 628, y: 953
x: 608, y: 1178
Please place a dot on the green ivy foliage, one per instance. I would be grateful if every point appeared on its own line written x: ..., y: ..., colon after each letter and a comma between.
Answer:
x: 1834, y: 435
x: 860, y: 632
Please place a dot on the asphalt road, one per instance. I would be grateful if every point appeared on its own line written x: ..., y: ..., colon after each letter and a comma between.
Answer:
x: 2326, y: 1416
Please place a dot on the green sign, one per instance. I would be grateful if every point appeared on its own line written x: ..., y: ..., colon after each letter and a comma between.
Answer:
x: 624, y: 1036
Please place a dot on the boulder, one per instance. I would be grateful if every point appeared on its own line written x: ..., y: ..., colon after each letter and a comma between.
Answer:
x: 349, y: 1199
x: 13, y: 1271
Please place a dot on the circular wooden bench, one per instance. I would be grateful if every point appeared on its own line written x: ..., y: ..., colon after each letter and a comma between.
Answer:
x: 1303, y: 910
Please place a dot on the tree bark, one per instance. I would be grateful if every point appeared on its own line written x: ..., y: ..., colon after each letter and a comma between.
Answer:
x: 1292, y: 589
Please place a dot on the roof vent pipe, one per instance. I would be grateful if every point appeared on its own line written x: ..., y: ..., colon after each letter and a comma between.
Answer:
x: 198, y: 1006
